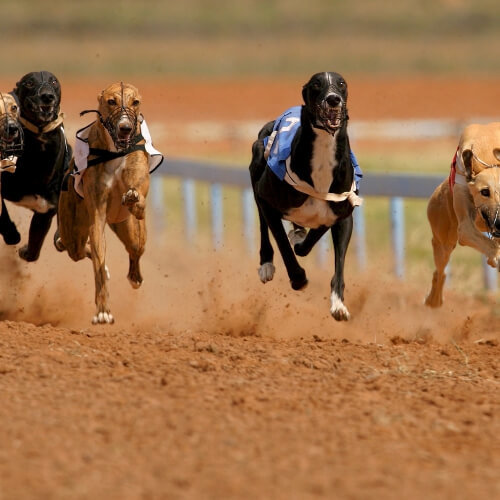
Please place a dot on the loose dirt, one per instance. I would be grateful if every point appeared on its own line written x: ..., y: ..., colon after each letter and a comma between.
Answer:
x: 211, y: 385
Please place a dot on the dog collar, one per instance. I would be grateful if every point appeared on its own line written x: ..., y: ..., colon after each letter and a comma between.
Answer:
x: 8, y: 164
x: 46, y: 128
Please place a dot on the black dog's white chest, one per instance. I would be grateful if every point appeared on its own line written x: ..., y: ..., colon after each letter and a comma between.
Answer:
x: 315, y: 212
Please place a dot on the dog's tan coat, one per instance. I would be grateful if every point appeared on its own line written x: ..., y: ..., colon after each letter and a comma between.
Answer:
x: 114, y: 193
x: 454, y: 215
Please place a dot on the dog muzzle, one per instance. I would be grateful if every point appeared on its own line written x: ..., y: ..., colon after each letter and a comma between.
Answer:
x: 492, y: 221
x: 330, y: 118
x: 121, y: 125
x: 11, y: 138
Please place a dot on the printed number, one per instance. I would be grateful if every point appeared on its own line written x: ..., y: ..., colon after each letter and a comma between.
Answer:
x: 293, y: 121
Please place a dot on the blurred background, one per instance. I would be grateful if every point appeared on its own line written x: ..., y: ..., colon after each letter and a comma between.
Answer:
x: 204, y: 38
x: 211, y: 72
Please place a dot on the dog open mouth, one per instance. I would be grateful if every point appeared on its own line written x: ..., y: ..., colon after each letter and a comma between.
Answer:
x: 123, y: 138
x: 46, y: 112
x: 492, y: 222
x: 330, y: 117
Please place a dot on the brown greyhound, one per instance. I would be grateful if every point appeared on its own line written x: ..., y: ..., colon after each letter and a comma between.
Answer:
x: 114, y: 187
x: 467, y: 204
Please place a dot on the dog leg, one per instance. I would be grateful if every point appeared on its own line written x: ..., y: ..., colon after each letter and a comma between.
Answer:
x: 72, y: 224
x: 132, y: 233
x: 341, y: 235
x: 98, y: 250
x: 296, y: 273
x: 135, y: 178
x: 444, y: 239
x: 39, y: 227
x: 266, y: 269
x: 442, y: 254
x: 96, y: 193
x: 8, y: 229
x: 313, y: 236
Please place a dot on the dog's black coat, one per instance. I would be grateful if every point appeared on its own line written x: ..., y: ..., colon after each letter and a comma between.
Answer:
x: 40, y: 169
x: 275, y: 198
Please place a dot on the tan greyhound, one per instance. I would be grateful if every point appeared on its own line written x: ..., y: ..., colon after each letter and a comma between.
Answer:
x: 467, y: 204
x: 114, y: 187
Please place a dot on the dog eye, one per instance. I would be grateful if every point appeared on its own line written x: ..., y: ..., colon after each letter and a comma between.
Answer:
x: 135, y: 102
x: 29, y: 83
x: 13, y: 108
x: 485, y: 192
x: 341, y: 84
x: 53, y: 82
x: 111, y: 102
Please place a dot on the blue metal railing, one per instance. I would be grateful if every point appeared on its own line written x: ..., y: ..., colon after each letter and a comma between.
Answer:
x: 396, y: 187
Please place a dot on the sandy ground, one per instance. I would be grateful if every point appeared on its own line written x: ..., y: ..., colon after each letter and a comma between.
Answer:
x: 211, y: 385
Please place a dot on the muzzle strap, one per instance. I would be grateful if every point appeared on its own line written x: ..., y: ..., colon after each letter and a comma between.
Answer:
x: 104, y: 155
x: 8, y: 164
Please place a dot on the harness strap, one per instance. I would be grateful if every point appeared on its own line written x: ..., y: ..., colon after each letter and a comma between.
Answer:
x: 104, y: 155
x: 8, y: 164
x: 304, y: 187
x: 46, y: 128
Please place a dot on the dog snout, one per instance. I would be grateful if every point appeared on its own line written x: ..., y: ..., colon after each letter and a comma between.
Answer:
x: 47, y: 97
x: 125, y: 127
x: 12, y: 130
x: 333, y: 100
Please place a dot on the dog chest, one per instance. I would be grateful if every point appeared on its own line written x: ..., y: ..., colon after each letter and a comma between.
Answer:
x: 314, y: 212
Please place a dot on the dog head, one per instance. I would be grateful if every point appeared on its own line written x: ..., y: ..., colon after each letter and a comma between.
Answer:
x: 11, y: 131
x: 119, y: 108
x: 325, y: 98
x: 39, y: 95
x: 484, y: 188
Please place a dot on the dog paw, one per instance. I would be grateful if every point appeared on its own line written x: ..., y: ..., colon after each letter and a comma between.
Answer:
x: 59, y: 244
x: 130, y: 198
x: 103, y: 318
x: 299, y: 282
x: 26, y: 255
x: 135, y: 281
x: 266, y: 272
x: 297, y: 236
x: 432, y: 301
x: 338, y: 310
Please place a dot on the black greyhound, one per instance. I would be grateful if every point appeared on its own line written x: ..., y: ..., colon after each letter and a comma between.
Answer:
x: 36, y: 182
x: 302, y: 171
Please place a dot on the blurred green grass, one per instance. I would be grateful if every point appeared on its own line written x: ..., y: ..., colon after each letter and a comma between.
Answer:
x: 215, y: 37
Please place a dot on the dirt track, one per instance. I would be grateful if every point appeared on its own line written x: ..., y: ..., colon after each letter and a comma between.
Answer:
x: 213, y: 386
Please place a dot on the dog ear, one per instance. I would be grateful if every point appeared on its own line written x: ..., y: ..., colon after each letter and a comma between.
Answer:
x: 467, y: 160
x: 305, y: 93
x: 496, y: 152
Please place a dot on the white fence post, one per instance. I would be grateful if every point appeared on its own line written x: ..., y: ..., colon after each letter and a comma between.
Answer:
x: 217, y: 210
x: 248, y: 206
x: 398, y: 235
x: 189, y: 196
x: 359, y: 232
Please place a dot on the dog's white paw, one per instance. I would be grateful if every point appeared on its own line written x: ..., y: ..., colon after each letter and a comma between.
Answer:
x: 131, y: 197
x: 338, y: 310
x: 297, y: 235
x: 103, y: 318
x: 266, y: 272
